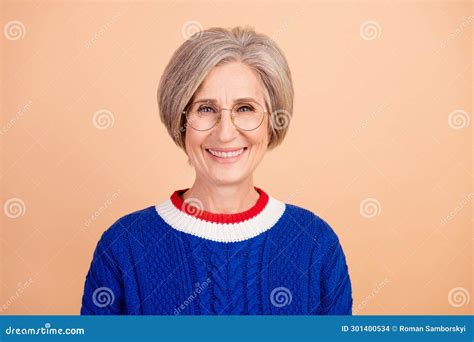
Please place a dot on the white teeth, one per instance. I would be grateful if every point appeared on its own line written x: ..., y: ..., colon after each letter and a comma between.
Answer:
x: 226, y: 154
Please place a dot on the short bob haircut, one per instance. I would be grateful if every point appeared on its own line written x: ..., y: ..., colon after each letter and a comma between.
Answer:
x: 216, y: 46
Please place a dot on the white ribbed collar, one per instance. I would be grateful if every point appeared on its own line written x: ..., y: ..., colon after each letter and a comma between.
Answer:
x: 222, y: 232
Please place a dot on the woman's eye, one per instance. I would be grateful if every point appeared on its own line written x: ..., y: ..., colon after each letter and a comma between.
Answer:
x: 245, y: 108
x: 206, y: 109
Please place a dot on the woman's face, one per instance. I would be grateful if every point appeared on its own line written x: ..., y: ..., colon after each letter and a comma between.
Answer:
x: 225, y: 84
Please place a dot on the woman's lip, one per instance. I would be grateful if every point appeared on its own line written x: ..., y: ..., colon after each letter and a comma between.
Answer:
x: 228, y: 149
x: 226, y: 160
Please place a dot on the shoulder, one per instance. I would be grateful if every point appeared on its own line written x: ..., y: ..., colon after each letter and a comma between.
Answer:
x: 326, y: 248
x: 315, y: 225
x: 129, y: 223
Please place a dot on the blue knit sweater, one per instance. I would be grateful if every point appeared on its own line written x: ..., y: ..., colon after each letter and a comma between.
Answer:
x: 176, y: 259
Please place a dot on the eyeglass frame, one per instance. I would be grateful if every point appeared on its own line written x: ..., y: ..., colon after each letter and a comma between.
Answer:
x: 185, y: 112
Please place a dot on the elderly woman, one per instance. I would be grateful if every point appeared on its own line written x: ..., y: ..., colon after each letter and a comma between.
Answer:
x: 223, y: 246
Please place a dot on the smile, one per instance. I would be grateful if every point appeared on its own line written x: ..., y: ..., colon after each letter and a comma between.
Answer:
x: 226, y: 156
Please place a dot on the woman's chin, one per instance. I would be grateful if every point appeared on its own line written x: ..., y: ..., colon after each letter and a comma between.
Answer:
x: 228, y: 178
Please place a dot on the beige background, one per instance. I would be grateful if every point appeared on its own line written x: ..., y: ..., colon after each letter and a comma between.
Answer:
x: 382, y: 112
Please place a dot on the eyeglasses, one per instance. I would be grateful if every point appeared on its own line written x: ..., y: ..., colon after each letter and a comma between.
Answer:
x: 204, y: 115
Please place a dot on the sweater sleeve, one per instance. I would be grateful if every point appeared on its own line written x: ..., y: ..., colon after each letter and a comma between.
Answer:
x: 336, y: 289
x: 103, y: 289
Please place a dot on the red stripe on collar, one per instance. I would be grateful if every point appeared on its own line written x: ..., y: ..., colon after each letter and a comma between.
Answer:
x: 195, y: 208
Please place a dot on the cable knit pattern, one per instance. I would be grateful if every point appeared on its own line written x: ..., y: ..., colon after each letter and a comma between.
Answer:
x: 273, y: 259
x: 253, y: 282
x: 235, y: 275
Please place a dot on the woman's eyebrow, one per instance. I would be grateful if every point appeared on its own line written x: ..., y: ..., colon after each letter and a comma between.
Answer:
x: 236, y: 100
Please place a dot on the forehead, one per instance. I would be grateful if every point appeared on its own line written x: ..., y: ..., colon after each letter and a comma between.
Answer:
x: 230, y: 82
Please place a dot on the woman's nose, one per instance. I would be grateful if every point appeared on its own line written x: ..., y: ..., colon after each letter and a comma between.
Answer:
x: 225, y: 128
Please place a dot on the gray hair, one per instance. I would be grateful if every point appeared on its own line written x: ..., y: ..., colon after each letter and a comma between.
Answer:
x: 216, y: 46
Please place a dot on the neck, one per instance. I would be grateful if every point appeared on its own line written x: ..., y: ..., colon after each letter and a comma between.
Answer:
x: 225, y: 199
